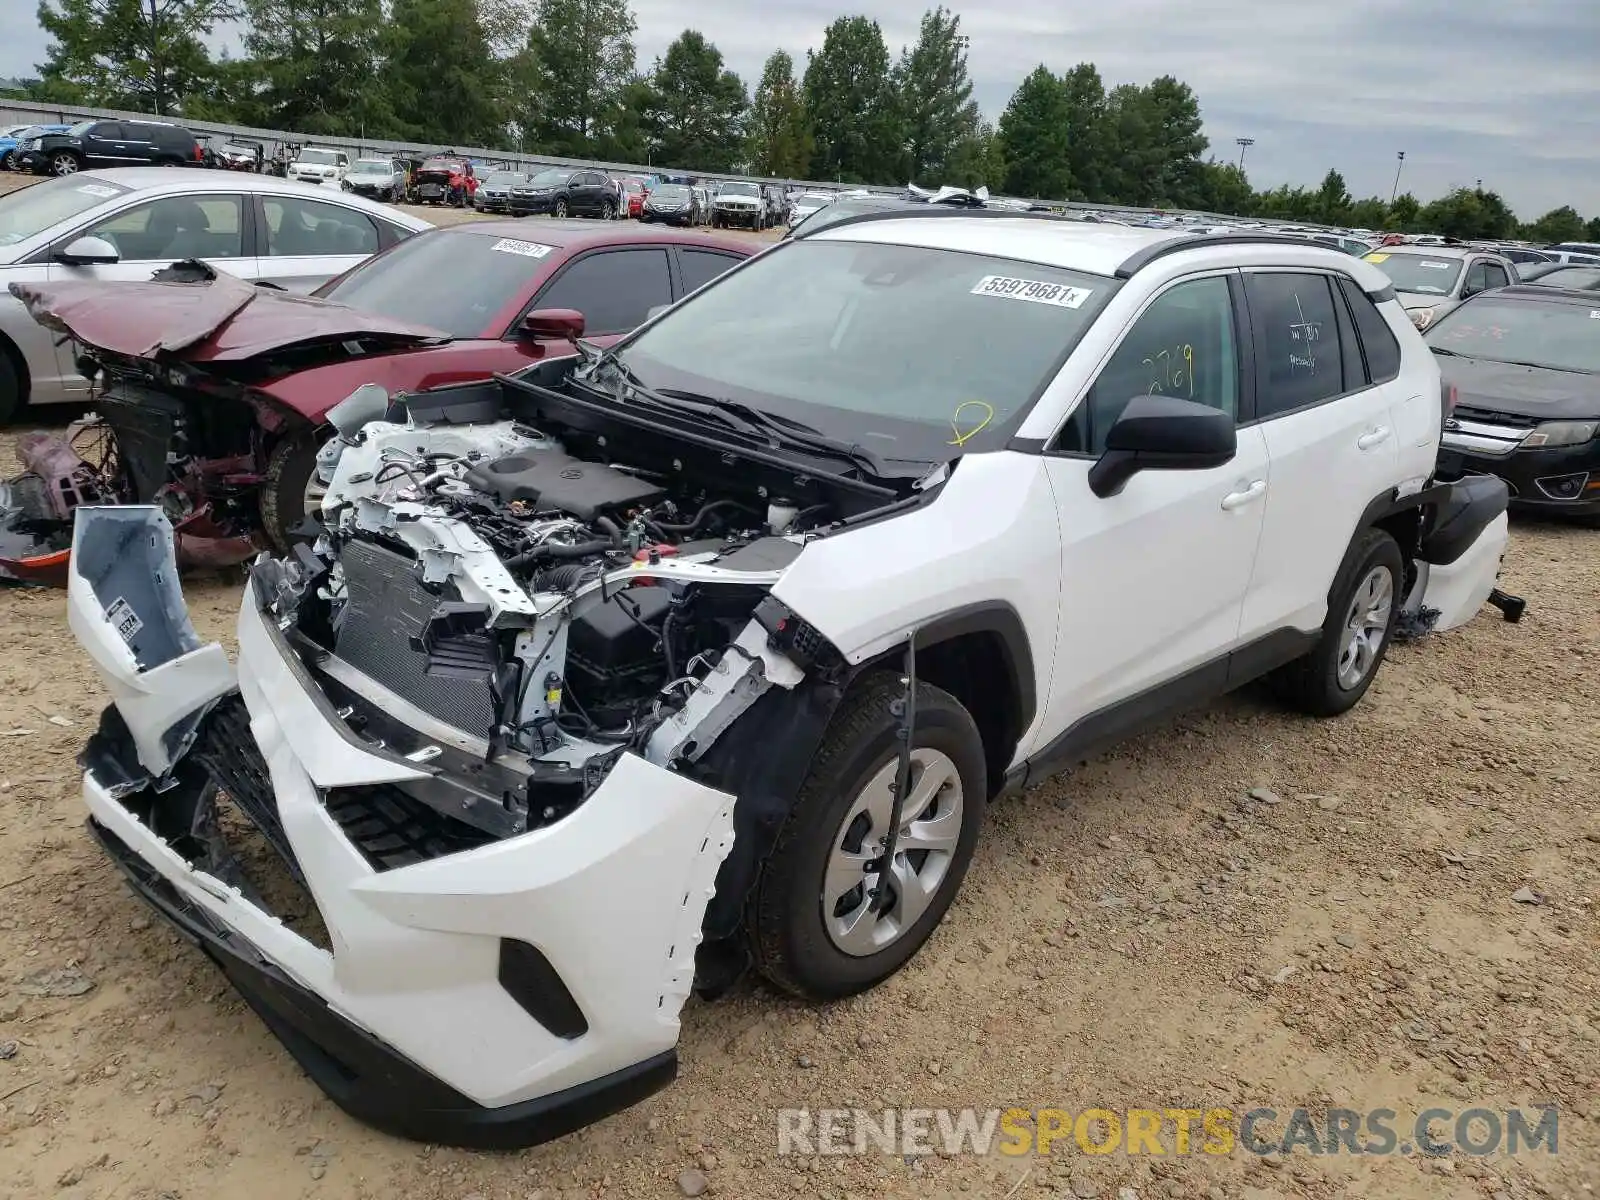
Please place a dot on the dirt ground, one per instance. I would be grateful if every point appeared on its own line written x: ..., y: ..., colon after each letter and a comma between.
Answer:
x: 1139, y: 934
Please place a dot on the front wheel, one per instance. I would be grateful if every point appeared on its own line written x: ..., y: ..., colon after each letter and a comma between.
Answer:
x: 8, y: 161
x: 64, y: 163
x: 291, y: 491
x: 561, y: 209
x: 1363, y: 606
x: 813, y: 926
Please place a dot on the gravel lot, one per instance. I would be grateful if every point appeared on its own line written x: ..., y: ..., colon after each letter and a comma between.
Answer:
x: 1140, y: 934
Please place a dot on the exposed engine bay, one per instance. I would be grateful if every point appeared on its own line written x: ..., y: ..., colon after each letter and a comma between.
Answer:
x: 517, y: 608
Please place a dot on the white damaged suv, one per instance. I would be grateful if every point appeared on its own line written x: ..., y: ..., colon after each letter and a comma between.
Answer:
x: 598, y: 684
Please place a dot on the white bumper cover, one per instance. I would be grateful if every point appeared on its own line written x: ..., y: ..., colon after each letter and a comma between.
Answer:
x: 613, y: 896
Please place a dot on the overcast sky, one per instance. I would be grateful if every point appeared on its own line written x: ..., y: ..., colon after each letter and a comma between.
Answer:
x: 1469, y: 89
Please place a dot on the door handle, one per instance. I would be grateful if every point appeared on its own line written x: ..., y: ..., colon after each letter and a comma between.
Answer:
x: 1376, y: 438
x: 1254, y: 492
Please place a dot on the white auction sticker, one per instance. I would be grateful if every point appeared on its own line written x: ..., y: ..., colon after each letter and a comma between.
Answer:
x: 1037, y: 291
x: 1594, y: 314
x: 99, y: 189
x: 526, y: 249
x: 124, y: 619
x: 1435, y: 266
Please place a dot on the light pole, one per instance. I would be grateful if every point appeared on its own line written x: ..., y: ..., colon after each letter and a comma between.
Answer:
x: 1244, y: 144
x: 1395, y: 191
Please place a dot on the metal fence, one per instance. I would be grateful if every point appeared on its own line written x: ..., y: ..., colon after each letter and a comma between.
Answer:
x: 14, y: 112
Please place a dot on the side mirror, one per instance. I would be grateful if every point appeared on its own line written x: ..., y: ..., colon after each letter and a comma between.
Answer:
x: 88, y: 252
x: 369, y: 402
x: 1162, y: 433
x: 550, y: 324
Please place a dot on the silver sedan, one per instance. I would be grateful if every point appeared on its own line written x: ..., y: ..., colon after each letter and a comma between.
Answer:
x: 130, y: 222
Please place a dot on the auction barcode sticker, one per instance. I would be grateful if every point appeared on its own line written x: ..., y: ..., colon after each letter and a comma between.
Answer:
x: 526, y: 249
x: 98, y: 189
x: 124, y: 619
x: 1037, y: 291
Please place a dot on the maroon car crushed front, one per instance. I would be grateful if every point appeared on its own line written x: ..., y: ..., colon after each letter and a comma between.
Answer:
x: 212, y: 393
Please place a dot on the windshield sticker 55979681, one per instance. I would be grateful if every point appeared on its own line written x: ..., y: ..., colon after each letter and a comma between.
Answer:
x: 1036, y: 291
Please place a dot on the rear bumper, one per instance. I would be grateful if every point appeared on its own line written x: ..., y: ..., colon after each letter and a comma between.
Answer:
x: 368, y: 1079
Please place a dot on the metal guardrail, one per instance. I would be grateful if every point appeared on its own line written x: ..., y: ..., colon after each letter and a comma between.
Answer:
x: 13, y: 112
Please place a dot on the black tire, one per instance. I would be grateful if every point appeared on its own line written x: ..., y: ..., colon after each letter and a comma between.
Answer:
x: 12, y: 402
x: 561, y: 209
x: 784, y: 921
x: 290, y: 465
x: 8, y: 161
x: 1311, y: 684
x: 608, y: 210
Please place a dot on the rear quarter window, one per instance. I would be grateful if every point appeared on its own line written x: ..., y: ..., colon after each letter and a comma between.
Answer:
x: 1378, y: 343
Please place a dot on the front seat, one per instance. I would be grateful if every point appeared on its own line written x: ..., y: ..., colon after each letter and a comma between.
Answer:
x: 188, y: 230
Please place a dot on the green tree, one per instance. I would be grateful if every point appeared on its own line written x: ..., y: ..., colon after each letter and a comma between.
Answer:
x: 436, y: 64
x: 1134, y: 167
x: 1086, y: 132
x: 977, y: 160
x: 1225, y: 189
x: 506, y: 23
x: 1371, y: 213
x: 851, y: 102
x: 1404, y: 213
x: 1033, y: 131
x: 1591, y: 231
x: 317, y: 62
x: 935, y: 96
x: 583, y: 57
x: 1333, y: 200
x: 138, y: 54
x: 1175, y: 142
x: 1558, y: 225
x: 781, y: 144
x: 1469, y: 213
x: 698, y: 117
x: 628, y: 127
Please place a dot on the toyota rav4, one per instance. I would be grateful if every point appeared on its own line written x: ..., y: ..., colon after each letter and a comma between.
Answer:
x: 597, y: 684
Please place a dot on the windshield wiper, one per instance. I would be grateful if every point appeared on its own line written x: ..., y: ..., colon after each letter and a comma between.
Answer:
x: 1443, y: 350
x: 744, y: 418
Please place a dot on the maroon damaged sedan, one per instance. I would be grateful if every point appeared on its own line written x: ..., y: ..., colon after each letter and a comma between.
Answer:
x: 246, y: 388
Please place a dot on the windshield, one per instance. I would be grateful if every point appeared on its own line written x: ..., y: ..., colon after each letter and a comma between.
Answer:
x: 503, y: 179
x: 81, y: 128
x: 670, y: 191
x: 34, y: 209
x: 1563, y: 336
x: 450, y: 280
x: 318, y: 158
x: 1418, y: 272
x: 442, y: 164
x: 738, y: 189
x: 551, y: 177
x: 372, y: 166
x: 905, y: 351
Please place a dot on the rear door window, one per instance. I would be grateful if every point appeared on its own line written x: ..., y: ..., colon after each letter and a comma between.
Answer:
x: 613, y: 290
x: 302, y: 228
x: 1298, y: 357
x: 700, y: 267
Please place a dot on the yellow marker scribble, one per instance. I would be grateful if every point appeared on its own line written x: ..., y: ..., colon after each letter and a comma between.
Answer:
x: 961, y: 437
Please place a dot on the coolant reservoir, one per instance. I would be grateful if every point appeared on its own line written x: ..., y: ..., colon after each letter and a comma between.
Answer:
x: 781, y: 515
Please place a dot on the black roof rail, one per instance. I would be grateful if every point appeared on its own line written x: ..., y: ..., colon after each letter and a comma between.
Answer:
x: 1140, y: 259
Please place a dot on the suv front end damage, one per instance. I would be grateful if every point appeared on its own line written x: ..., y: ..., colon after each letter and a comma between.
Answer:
x: 453, y: 826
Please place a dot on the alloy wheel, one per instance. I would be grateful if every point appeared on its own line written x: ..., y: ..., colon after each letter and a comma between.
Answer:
x: 930, y: 828
x: 64, y: 164
x: 1366, y: 626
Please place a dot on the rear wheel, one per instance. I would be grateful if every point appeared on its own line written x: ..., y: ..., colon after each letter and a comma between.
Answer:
x: 811, y: 922
x: 1363, y: 606
x: 292, y: 491
x: 561, y: 209
x: 64, y: 162
x: 608, y: 210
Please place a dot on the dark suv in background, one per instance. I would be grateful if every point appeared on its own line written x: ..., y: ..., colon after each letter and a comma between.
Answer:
x: 92, y: 144
x: 562, y: 192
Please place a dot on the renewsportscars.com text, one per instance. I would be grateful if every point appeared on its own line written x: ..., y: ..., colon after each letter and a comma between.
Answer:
x: 1166, y: 1131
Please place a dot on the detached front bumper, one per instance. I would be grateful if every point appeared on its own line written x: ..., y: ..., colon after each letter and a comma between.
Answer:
x: 492, y: 996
